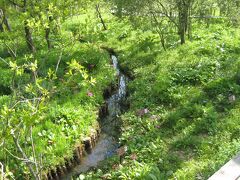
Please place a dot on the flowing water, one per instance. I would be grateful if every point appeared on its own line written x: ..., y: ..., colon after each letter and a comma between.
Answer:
x: 110, y: 127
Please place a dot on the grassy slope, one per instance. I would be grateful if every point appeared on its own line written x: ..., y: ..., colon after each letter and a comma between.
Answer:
x: 192, y: 128
x: 188, y: 90
x: 71, y: 114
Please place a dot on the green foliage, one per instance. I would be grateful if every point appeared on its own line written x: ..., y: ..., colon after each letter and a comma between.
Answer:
x: 192, y: 127
x: 50, y: 98
x: 5, y: 81
x: 48, y: 103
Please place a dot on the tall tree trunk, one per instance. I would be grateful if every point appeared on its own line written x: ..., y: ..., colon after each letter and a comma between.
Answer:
x: 183, y: 7
x: 100, y: 16
x: 190, y: 22
x: 181, y: 28
x: 29, y: 39
x: 182, y: 36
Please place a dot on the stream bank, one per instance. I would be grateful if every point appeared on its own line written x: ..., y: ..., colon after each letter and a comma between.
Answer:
x: 103, y: 142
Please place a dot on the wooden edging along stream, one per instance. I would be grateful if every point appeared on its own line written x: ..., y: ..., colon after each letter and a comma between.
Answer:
x: 79, y: 152
x: 85, y: 147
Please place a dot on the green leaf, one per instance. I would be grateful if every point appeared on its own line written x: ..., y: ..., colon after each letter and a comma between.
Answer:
x: 13, y: 65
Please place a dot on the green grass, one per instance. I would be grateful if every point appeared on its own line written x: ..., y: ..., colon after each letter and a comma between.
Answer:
x: 188, y: 89
x: 68, y: 116
x: 192, y: 127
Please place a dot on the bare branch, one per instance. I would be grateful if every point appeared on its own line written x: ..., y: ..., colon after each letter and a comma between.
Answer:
x: 18, y: 158
x: 24, y: 101
x: 59, y: 60
x: 26, y: 159
x: 2, y: 171
x: 33, y: 149
x: 14, y: 55
x: 4, y: 61
x: 100, y: 16
x: 165, y: 12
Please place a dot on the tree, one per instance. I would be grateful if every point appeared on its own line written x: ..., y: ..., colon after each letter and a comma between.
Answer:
x: 184, y: 7
x: 25, y: 10
x: 3, y: 17
x: 48, y: 15
x: 176, y: 11
x: 100, y: 16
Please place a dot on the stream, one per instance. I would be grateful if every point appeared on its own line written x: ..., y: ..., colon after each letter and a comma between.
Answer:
x: 110, y: 127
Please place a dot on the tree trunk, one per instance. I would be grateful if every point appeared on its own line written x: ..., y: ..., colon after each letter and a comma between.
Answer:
x: 48, y: 31
x: 29, y: 39
x: 28, y: 32
x: 1, y: 26
x: 182, y: 36
x: 100, y: 16
x: 119, y: 10
x: 6, y: 22
x: 162, y: 42
x: 183, y: 10
x: 190, y: 22
x: 1, y: 20
x: 181, y: 27
x: 47, y: 34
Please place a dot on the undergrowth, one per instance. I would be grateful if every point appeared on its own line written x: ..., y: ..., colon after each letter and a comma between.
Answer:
x: 191, y: 97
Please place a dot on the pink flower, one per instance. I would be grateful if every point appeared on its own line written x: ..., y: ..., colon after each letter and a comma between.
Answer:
x: 158, y: 126
x: 142, y: 112
x: 115, y: 166
x: 122, y: 150
x: 90, y: 94
x: 133, y: 156
x: 91, y: 66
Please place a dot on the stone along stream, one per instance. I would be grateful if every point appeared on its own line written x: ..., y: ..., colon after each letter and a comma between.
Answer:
x: 110, y: 127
